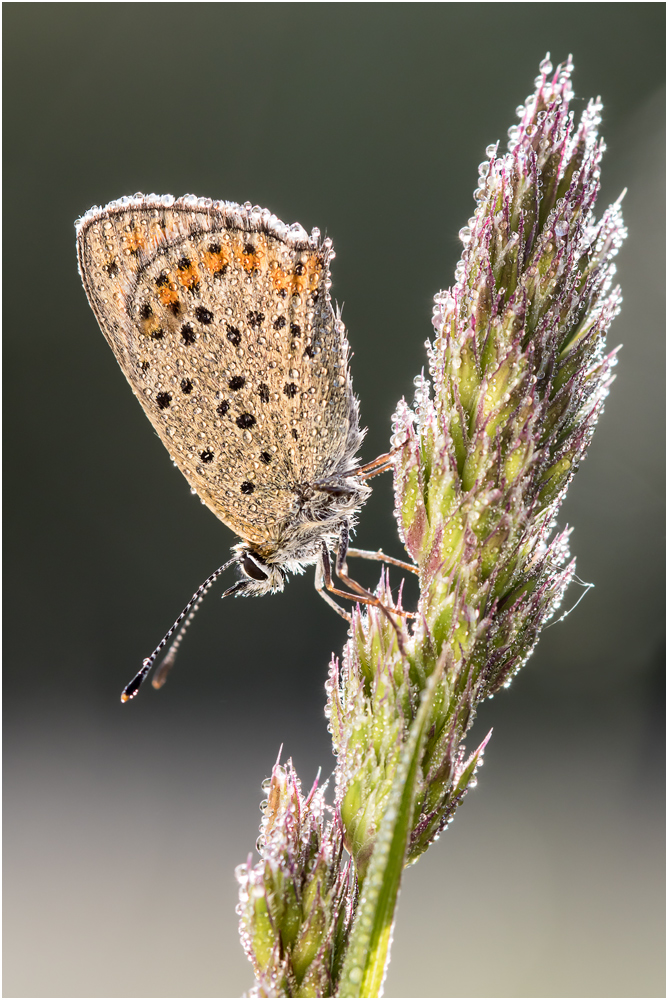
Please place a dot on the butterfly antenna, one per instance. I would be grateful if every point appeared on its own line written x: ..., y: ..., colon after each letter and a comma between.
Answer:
x: 130, y: 690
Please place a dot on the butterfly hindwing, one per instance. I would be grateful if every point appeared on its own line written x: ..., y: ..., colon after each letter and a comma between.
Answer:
x: 221, y: 320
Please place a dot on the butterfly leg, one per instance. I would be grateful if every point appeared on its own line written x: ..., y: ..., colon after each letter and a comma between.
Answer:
x: 380, y: 556
x: 361, y: 595
x: 378, y: 471
x: 323, y: 572
x: 380, y: 464
x: 342, y: 573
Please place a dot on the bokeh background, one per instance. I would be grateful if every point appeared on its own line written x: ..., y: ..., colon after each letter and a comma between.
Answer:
x: 123, y: 824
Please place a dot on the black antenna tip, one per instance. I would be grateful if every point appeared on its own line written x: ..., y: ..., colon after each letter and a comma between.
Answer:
x: 130, y: 690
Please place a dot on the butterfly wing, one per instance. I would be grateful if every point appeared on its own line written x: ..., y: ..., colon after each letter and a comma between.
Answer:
x: 221, y: 319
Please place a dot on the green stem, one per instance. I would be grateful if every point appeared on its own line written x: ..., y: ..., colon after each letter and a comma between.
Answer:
x: 368, y: 952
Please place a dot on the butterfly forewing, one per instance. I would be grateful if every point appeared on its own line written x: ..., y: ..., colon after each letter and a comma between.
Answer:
x: 222, y: 322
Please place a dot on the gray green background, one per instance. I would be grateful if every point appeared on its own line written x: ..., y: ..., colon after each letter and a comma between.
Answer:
x: 123, y: 824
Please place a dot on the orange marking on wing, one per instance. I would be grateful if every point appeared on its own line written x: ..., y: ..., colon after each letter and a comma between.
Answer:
x: 279, y: 278
x: 304, y: 278
x: 167, y: 290
x: 313, y: 270
x: 250, y: 261
x: 216, y: 262
x: 189, y: 276
x: 135, y: 241
x: 253, y: 260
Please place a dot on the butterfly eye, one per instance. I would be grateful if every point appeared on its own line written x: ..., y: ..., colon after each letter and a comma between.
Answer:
x: 252, y: 567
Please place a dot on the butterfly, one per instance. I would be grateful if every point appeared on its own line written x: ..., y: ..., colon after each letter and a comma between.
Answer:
x: 221, y: 319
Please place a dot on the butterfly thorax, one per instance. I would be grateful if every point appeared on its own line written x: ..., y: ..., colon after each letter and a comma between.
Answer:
x: 324, y: 508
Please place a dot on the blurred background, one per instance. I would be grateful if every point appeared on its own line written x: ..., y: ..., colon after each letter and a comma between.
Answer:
x: 123, y: 824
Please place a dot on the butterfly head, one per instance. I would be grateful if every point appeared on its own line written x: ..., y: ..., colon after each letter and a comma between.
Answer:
x: 259, y: 577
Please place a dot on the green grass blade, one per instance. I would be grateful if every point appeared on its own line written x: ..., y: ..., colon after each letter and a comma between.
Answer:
x: 367, y: 955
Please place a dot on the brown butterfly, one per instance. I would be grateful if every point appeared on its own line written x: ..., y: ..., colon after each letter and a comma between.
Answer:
x: 221, y: 319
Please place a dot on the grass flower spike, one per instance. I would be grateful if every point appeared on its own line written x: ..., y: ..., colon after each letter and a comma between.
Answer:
x: 295, y: 904
x: 517, y: 378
